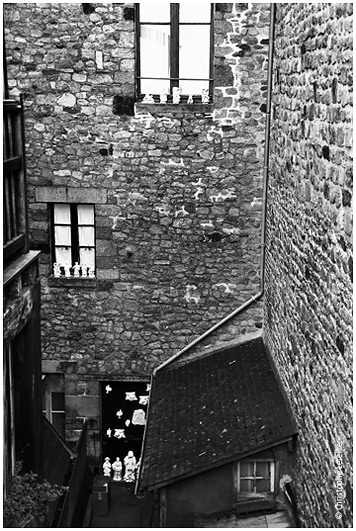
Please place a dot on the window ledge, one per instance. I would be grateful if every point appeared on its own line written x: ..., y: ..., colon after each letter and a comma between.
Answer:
x: 176, y: 109
x: 72, y: 282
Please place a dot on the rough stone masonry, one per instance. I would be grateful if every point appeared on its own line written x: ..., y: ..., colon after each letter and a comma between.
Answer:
x: 308, y: 301
x: 177, y: 190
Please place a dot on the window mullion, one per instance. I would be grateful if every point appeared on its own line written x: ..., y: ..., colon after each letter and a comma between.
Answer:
x: 174, y: 50
x: 74, y: 233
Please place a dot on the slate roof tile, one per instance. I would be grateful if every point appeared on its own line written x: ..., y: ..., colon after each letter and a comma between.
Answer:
x: 212, y: 410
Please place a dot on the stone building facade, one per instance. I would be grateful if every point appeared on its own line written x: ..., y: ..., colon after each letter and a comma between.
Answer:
x: 177, y: 192
x: 308, y: 295
x: 176, y: 189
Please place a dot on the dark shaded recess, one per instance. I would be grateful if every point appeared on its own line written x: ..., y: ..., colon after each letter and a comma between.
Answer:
x: 342, y: 243
x: 223, y: 75
x: 340, y: 344
x: 264, y: 41
x: 39, y: 246
x: 129, y: 13
x: 243, y: 49
x: 88, y: 9
x: 315, y: 88
x: 334, y: 90
x: 224, y: 128
x: 351, y: 267
x: 326, y: 152
x: 303, y: 49
x: 123, y: 105
x: 326, y: 191
x: 307, y: 273
x: 288, y: 166
x: 263, y: 107
x: 223, y: 8
x: 346, y: 198
x: 349, y: 494
x: 103, y: 152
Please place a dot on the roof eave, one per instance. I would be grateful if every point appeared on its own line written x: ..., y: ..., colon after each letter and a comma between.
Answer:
x: 217, y: 464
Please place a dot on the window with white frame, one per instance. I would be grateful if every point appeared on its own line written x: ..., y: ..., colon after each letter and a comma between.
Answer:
x: 174, y: 45
x: 53, y: 405
x: 255, y: 477
x: 73, y: 239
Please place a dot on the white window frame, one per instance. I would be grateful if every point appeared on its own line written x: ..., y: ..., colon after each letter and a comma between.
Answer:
x: 272, y: 470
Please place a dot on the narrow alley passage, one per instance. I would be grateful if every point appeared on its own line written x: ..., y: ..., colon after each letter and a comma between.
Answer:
x: 125, y: 509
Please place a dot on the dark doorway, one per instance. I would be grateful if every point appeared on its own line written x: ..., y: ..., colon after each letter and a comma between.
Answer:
x: 124, y: 412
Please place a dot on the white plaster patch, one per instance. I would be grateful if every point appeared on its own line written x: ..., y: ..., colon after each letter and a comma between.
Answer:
x: 207, y: 225
x: 116, y: 219
x: 182, y: 211
x: 222, y: 196
x: 229, y: 288
x: 173, y: 163
x: 190, y: 295
x: 133, y: 197
x: 163, y: 210
x: 256, y: 201
x: 234, y: 230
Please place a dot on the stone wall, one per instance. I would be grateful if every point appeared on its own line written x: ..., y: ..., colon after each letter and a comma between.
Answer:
x: 177, y: 189
x: 308, y: 300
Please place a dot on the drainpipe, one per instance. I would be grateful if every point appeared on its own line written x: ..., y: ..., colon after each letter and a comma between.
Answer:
x: 263, y: 225
x: 264, y: 206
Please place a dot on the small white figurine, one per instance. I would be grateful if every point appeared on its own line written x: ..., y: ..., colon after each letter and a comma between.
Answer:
x: 148, y: 99
x: 76, y: 269
x: 67, y: 270
x: 117, y: 468
x: 107, y: 467
x: 143, y: 400
x: 84, y: 270
x: 138, y: 417
x: 91, y: 272
x: 205, y: 96
x: 130, y: 467
x: 190, y: 98
x: 108, y: 389
x: 131, y: 396
x: 119, y: 413
x: 56, y: 269
x: 109, y: 432
x: 176, y: 95
x: 127, y: 422
x: 163, y: 98
x: 148, y: 387
x: 119, y: 433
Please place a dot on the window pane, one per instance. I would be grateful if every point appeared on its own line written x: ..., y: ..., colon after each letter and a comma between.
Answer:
x: 194, y: 65
x: 263, y: 485
x: 154, y: 52
x: 86, y: 236
x: 62, y: 214
x: 262, y: 469
x: 57, y: 401
x: 85, y: 215
x: 62, y: 235
x: 87, y: 257
x: 246, y: 485
x: 246, y: 470
x: 195, y: 12
x: 155, y: 12
x: 64, y: 256
x: 58, y: 420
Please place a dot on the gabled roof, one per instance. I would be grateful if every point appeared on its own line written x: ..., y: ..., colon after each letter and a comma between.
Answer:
x: 215, y: 409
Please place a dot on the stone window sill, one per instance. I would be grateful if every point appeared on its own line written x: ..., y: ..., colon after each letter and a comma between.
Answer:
x: 175, y: 109
x: 72, y: 282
